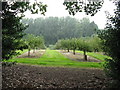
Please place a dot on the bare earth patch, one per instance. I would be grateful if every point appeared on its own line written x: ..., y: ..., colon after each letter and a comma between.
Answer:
x: 78, y: 57
x: 35, y: 54
x: 33, y: 77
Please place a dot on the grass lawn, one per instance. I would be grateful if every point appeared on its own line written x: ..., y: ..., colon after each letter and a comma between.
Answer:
x: 55, y: 58
x: 96, y: 55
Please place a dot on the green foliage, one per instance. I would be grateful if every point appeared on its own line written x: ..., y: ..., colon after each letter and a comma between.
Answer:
x: 83, y: 44
x: 54, y: 28
x: 34, y: 42
x: 73, y: 44
x: 12, y: 28
x: 58, y: 45
x: 66, y: 44
x: 91, y: 7
x: 87, y: 44
x: 95, y: 44
x: 111, y: 42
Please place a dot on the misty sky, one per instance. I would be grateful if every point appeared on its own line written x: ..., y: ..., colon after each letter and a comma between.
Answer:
x: 57, y: 9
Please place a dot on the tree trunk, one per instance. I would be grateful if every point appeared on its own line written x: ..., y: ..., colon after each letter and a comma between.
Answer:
x: 74, y: 51
x: 85, y: 56
x: 34, y: 50
x: 68, y: 50
x: 28, y: 52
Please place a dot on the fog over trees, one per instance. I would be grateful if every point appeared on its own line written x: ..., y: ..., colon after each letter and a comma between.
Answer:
x: 54, y: 28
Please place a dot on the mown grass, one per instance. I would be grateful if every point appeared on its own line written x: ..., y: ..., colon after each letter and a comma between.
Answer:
x: 55, y: 58
x: 96, y: 55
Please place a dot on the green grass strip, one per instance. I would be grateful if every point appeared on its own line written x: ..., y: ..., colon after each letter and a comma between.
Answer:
x: 96, y: 55
x: 55, y: 58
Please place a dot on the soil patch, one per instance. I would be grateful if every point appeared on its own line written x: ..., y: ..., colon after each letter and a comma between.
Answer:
x: 26, y: 76
x: 78, y: 57
x: 36, y: 54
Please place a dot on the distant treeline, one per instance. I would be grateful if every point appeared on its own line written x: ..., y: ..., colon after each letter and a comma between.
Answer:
x: 54, y: 28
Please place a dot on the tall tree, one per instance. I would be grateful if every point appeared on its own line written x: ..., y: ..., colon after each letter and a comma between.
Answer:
x: 111, y: 41
x: 33, y: 42
x: 73, y: 44
x: 54, y: 28
x: 12, y: 28
x: 65, y: 44
x: 83, y: 44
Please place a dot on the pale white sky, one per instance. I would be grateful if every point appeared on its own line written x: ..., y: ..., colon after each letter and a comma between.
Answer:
x: 57, y: 9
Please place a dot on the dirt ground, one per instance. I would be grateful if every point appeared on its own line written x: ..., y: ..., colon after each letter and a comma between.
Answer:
x: 78, y: 57
x: 30, y: 77
x: 35, y: 54
x: 33, y: 77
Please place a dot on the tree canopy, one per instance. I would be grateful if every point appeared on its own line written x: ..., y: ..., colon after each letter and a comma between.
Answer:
x: 12, y: 28
x: 90, y: 7
x: 33, y: 42
x: 85, y: 44
x: 54, y: 28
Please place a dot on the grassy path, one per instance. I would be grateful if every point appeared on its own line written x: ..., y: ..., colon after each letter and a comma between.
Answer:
x: 55, y: 58
x: 96, y: 55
